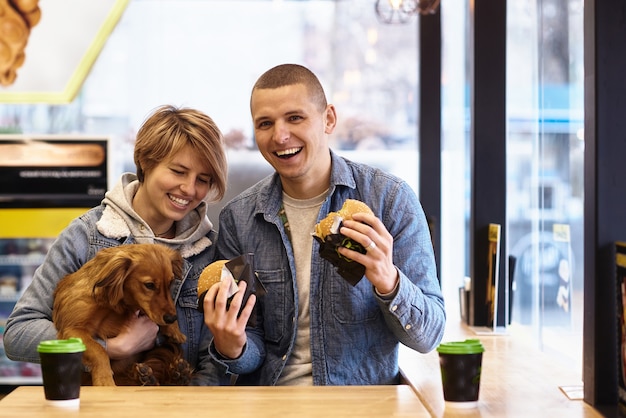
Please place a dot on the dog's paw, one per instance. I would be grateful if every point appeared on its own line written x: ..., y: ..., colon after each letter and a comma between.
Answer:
x: 145, y: 376
x: 180, y: 372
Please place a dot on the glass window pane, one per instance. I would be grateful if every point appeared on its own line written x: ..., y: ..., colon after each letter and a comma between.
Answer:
x: 455, y: 161
x: 545, y: 167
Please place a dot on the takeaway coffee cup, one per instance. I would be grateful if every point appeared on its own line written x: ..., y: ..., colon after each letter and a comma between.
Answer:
x: 61, y: 370
x: 460, y: 363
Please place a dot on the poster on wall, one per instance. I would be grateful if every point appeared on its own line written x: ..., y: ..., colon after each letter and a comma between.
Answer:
x: 42, y: 59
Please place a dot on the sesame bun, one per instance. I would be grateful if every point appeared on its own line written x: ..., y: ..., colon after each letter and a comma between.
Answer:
x: 210, y: 275
x: 331, y: 222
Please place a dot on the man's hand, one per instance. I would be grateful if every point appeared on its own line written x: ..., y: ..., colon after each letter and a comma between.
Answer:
x: 371, y: 233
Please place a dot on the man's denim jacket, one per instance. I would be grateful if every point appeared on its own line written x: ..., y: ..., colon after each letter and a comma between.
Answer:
x: 354, y: 332
x: 30, y: 321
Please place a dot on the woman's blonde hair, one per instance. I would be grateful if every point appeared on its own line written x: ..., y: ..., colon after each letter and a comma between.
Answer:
x: 168, y: 130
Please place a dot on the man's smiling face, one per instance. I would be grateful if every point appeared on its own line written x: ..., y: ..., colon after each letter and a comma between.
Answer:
x: 292, y: 134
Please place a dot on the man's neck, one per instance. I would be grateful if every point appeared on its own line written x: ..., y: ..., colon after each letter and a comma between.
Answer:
x: 310, y: 185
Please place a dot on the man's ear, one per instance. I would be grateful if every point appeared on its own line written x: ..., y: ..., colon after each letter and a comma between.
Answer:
x: 330, y: 119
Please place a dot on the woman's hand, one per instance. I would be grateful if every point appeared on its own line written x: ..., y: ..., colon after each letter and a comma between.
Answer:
x: 229, y: 330
x: 139, y: 334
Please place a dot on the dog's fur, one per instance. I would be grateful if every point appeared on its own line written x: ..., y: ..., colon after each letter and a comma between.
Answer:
x: 96, y: 301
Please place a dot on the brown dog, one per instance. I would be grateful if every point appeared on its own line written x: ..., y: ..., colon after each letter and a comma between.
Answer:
x: 97, y: 300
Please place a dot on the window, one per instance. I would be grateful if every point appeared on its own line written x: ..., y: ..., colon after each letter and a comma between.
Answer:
x: 190, y: 53
x: 545, y: 146
x: 545, y: 165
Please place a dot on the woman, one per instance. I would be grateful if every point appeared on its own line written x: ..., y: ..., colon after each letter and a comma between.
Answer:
x: 181, y: 165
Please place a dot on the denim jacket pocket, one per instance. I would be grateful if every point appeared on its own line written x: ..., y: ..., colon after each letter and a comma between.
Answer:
x: 188, y: 298
x: 352, y: 304
x: 273, y: 303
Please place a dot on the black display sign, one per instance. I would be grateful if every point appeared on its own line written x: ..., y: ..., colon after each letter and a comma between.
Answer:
x: 52, y: 172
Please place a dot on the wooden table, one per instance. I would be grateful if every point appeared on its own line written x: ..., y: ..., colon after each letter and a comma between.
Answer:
x: 517, y: 380
x: 229, y: 402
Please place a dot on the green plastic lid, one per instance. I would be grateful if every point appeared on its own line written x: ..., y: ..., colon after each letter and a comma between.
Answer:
x: 470, y: 346
x: 71, y: 345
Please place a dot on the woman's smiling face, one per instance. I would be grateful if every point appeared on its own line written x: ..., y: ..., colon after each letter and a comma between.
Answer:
x: 173, y: 188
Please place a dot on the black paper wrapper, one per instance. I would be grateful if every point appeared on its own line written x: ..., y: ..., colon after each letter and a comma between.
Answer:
x: 242, y: 268
x: 348, y: 269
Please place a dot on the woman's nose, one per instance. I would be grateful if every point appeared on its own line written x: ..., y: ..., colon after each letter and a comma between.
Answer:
x: 188, y: 187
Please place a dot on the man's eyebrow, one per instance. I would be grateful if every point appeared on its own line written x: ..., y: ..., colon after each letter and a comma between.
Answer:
x: 260, y: 119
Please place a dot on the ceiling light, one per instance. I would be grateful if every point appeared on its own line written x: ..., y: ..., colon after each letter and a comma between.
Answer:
x: 400, y: 11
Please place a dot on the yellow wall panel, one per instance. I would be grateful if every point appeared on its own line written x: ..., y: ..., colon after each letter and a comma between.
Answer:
x: 36, y: 222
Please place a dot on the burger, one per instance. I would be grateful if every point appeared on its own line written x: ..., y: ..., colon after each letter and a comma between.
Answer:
x: 235, y: 270
x: 212, y: 274
x: 332, y: 222
x: 327, y: 234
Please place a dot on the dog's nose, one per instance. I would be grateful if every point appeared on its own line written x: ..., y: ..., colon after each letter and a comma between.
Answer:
x: 169, y: 319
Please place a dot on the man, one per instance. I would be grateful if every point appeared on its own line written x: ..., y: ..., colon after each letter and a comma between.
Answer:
x: 313, y: 327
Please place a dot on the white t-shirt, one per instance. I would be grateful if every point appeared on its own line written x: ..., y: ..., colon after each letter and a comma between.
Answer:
x: 302, y: 217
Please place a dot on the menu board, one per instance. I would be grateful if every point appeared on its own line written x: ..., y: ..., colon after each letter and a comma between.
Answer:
x: 49, y: 171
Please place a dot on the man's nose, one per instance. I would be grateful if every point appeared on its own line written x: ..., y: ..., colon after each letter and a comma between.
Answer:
x: 281, y: 132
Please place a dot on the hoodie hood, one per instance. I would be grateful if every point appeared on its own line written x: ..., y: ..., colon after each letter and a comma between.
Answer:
x: 119, y: 220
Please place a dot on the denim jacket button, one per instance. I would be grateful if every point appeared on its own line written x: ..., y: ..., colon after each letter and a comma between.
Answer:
x: 407, y: 326
x: 284, y: 357
x: 394, y: 308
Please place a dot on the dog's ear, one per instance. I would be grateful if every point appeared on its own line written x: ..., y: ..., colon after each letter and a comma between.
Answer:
x: 177, y: 264
x: 113, y: 270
